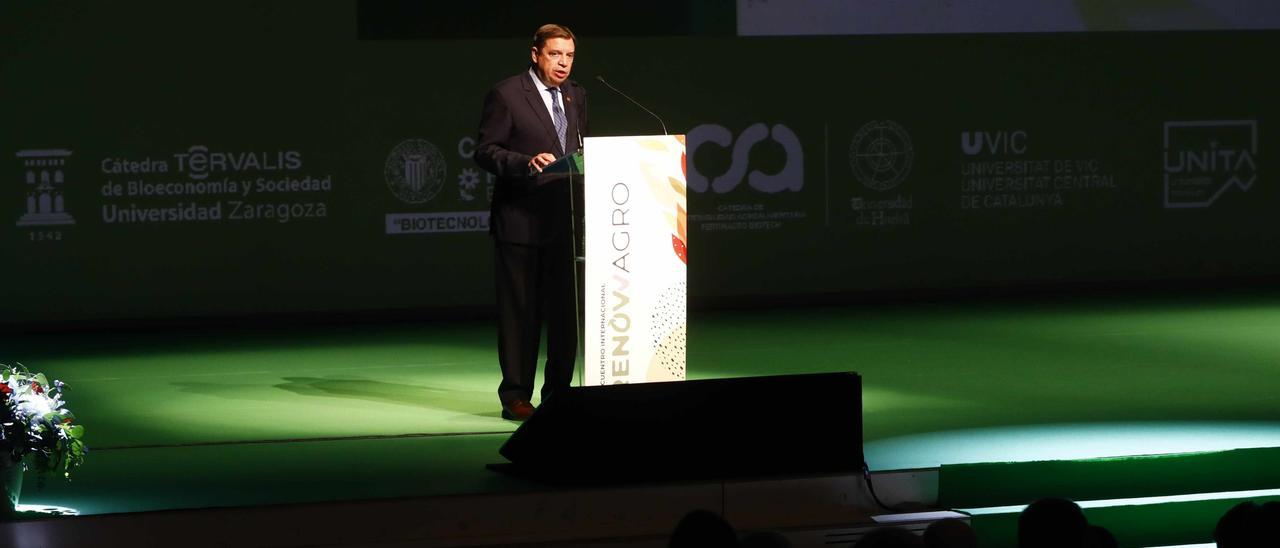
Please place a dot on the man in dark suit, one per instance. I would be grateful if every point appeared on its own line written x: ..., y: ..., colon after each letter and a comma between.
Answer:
x: 530, y: 120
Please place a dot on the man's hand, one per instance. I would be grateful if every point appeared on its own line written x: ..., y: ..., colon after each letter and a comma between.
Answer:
x: 540, y: 161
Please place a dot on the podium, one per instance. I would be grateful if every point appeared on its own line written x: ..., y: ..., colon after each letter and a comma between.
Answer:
x: 636, y: 250
x: 635, y: 308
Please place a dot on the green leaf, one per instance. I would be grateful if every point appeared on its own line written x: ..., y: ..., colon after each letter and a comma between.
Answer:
x: 75, y: 431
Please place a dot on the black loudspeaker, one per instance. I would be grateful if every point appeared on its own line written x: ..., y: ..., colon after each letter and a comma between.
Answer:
x: 719, y: 428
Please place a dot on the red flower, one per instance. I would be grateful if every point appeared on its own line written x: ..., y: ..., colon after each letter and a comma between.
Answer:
x: 4, y: 388
x: 66, y: 420
x: 35, y: 387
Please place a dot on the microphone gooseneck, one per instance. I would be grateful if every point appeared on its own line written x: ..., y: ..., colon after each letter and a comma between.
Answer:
x: 637, y: 103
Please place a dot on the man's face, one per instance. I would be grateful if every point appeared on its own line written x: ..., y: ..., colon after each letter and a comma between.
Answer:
x: 554, y: 60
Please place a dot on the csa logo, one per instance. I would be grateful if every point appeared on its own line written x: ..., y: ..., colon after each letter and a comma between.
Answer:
x: 881, y: 155
x: 414, y: 171
x: 789, y: 178
x: 45, y: 178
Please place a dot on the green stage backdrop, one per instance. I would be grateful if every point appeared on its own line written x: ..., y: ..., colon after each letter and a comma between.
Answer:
x: 165, y: 160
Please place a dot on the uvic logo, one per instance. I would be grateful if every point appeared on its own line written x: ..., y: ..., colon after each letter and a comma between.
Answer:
x: 992, y: 143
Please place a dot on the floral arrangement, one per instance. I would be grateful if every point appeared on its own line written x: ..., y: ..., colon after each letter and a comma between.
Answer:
x: 34, y: 422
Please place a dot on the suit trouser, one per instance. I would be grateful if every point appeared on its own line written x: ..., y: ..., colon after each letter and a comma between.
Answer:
x: 534, y: 286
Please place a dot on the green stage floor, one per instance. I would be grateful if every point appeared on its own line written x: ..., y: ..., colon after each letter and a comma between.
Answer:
x: 411, y: 409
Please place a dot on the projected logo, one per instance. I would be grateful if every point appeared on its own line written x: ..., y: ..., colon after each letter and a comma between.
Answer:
x: 789, y: 177
x: 993, y: 143
x: 1205, y: 159
x: 881, y: 154
x: 44, y: 175
x: 414, y: 171
x: 469, y: 185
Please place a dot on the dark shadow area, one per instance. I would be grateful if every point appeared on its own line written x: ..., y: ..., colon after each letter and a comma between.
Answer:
x: 424, y: 397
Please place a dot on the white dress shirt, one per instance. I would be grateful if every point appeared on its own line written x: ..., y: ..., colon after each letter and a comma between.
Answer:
x: 546, y: 95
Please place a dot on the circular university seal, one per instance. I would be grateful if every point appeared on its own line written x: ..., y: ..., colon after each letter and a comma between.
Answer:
x: 414, y: 171
x: 881, y: 154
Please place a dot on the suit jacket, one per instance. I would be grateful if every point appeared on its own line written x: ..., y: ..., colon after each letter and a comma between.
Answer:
x: 515, y: 126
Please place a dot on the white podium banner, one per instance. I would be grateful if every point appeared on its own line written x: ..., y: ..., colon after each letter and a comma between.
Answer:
x: 636, y: 254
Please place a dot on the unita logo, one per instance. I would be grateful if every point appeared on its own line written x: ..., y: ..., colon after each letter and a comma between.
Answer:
x: 414, y: 171
x: 44, y: 175
x: 790, y: 177
x: 881, y: 154
x: 1203, y: 159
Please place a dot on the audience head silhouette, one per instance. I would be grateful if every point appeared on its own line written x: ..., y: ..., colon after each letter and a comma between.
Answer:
x: 703, y: 529
x: 1247, y: 525
x: 890, y: 537
x: 1052, y: 523
x: 950, y: 533
x: 1100, y: 537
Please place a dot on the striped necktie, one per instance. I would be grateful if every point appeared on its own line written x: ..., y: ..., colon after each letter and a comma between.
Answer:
x: 557, y: 116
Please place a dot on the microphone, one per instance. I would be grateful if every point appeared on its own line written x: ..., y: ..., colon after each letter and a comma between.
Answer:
x: 637, y: 103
